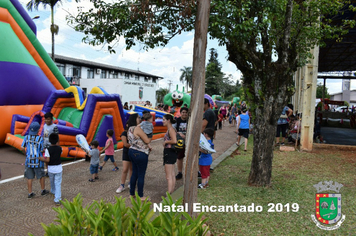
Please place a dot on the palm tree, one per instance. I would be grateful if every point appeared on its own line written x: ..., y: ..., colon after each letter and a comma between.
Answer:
x: 186, y: 76
x: 33, y: 4
x: 160, y: 93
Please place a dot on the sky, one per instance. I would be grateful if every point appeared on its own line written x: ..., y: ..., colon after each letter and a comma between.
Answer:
x: 161, y: 61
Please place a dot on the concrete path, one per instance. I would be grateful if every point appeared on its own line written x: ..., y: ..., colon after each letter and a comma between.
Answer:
x: 19, y: 215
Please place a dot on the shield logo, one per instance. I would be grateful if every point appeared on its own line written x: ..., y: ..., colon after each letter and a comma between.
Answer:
x: 140, y: 92
x: 328, y: 207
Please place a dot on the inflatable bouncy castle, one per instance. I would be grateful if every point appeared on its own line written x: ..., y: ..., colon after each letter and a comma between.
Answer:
x: 31, y: 85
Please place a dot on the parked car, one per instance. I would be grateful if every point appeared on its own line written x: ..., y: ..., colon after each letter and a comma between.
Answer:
x: 342, y: 109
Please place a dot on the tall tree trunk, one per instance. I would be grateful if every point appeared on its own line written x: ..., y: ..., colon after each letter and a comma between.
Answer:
x: 263, y: 138
x: 197, y: 102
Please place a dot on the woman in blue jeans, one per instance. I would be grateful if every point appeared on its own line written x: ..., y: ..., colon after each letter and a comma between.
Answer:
x: 138, y: 154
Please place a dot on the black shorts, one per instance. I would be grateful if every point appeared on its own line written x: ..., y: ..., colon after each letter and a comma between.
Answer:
x: 244, y: 132
x: 181, y: 154
x: 169, y: 156
x: 125, y: 156
x: 281, y: 128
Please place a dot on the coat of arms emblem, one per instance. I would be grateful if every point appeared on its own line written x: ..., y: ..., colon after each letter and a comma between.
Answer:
x: 328, y: 206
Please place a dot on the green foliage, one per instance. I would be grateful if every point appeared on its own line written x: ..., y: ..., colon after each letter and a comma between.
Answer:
x: 103, y: 218
x: 319, y: 91
x: 160, y: 93
x: 187, y: 77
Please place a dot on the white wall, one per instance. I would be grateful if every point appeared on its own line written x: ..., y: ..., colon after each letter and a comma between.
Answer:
x: 126, y: 85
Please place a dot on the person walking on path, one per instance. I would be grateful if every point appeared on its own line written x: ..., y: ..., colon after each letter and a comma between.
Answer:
x: 53, y: 158
x: 223, y: 110
x: 138, y: 154
x: 169, y: 154
x: 33, y: 146
x: 126, y: 162
x: 109, y: 150
x: 94, y: 155
x: 243, y: 127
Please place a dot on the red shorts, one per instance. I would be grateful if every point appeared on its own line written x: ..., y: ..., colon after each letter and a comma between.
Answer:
x: 204, y: 171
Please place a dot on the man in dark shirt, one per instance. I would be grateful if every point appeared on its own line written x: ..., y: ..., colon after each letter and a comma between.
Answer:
x: 209, y: 117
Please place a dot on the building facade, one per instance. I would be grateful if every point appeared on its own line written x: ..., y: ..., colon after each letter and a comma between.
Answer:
x: 134, y: 87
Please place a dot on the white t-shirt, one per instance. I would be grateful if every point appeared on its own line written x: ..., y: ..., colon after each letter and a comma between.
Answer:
x: 47, y: 130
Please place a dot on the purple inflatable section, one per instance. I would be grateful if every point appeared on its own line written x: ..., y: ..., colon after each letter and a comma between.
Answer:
x: 92, y: 99
x: 25, y: 84
x: 51, y: 100
x: 106, y: 124
x: 19, y: 118
x: 24, y: 15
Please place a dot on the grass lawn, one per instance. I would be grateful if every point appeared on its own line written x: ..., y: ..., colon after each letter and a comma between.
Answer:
x: 293, y: 177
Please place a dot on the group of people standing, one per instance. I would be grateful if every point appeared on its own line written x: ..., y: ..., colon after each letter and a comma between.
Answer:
x: 136, y: 141
x: 136, y: 149
x: 40, y: 150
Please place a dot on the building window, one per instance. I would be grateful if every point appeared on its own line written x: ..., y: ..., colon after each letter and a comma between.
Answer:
x: 61, y: 68
x: 115, y: 75
x: 154, y: 80
x: 146, y: 79
x: 137, y: 77
x: 90, y: 73
x: 127, y: 76
x: 77, y: 71
x: 103, y: 74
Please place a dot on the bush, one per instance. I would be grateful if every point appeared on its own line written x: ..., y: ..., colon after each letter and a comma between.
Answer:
x: 103, y: 218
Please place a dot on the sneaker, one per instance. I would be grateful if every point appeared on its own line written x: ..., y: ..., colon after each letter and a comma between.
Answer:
x: 120, y: 189
x: 97, y: 177
x: 282, y: 144
x: 179, y: 176
x: 31, y: 195
x: 201, y: 186
x: 100, y: 168
x: 91, y: 180
x: 44, y: 192
x: 57, y: 203
x: 115, y: 169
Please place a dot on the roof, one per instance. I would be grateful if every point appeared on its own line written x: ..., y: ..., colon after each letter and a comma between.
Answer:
x: 92, y: 64
x: 339, y: 56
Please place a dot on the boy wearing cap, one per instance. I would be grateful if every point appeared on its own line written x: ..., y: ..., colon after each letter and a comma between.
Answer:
x: 33, y: 145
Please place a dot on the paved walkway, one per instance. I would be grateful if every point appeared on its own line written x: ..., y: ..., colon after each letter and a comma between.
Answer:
x: 19, y: 215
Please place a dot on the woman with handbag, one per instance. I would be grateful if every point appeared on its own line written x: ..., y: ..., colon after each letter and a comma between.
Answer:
x: 169, y: 153
x: 138, y: 154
